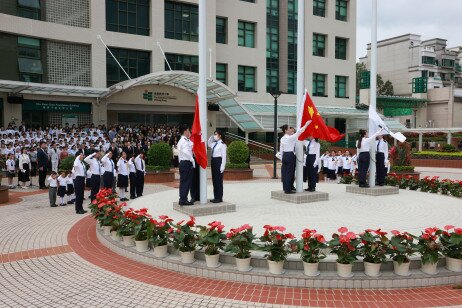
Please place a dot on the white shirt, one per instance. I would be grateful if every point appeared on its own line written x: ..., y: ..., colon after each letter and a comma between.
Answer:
x: 325, y: 160
x: 382, y: 147
x: 332, y: 163
x: 24, y: 159
x: 313, y: 147
x: 52, y: 182
x: 53, y: 154
x: 69, y: 180
x: 131, y: 166
x: 122, y: 166
x: 107, y: 163
x: 347, y: 162
x: 366, y: 142
x: 218, y: 150
x: 79, y: 168
x: 62, y: 181
x: 10, y: 165
x: 339, y: 161
x: 94, y: 163
x: 139, y: 164
x: 185, y: 150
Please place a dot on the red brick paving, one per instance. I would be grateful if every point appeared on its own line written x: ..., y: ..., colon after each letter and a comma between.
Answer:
x: 34, y: 253
x: 82, y: 239
x: 16, y: 196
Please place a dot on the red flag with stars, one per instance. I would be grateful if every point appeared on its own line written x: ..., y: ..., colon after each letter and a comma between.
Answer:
x: 199, y: 148
x: 317, y: 128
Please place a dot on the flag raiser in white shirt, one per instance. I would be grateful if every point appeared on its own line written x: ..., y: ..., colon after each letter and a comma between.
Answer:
x: 314, y: 148
x: 382, y: 147
x: 185, y: 150
x: 218, y: 150
x: 366, y: 142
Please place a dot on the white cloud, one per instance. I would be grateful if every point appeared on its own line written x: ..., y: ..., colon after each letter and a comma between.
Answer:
x: 428, y: 18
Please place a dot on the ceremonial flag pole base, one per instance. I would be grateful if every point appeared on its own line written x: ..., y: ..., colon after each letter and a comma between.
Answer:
x: 373, y: 191
x: 299, y: 198
x: 205, y: 209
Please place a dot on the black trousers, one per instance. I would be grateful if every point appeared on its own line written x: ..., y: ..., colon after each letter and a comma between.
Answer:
x: 139, y: 183
x: 95, y: 185
x: 132, y: 178
x: 195, y: 184
x: 79, y: 187
x: 363, y: 166
x: 312, y: 171
x: 108, y: 180
x: 42, y: 176
x: 380, y: 167
x: 346, y: 171
x: 186, y: 178
x: 217, y: 178
x: 288, y: 171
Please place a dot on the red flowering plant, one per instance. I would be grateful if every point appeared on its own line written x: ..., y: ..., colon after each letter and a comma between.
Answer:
x: 211, y: 237
x: 374, y: 246
x: 161, y: 230
x: 428, y: 246
x: 401, y: 246
x: 445, y: 186
x: 456, y: 189
x: 184, y: 235
x: 310, y: 246
x: 275, y: 242
x: 141, y: 223
x: 392, y: 179
x: 105, y: 199
x: 451, y: 241
x: 241, y: 241
x: 428, y: 184
x: 125, y: 227
x: 345, y: 245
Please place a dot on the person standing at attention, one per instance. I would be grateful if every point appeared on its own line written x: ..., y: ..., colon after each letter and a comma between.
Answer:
x: 95, y: 169
x: 186, y: 165
x: 122, y: 177
x: 80, y: 173
x: 11, y: 169
x: 313, y: 152
x: 53, y: 188
x: 287, y: 150
x: 24, y: 167
x: 381, y: 157
x: 363, y: 146
x: 140, y: 173
x: 108, y: 166
x: 216, y: 143
x: 42, y: 161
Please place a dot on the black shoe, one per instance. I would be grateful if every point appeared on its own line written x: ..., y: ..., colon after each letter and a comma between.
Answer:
x: 193, y: 200
x: 381, y: 184
x: 366, y: 186
x: 289, y: 192
x: 216, y: 201
x: 63, y: 204
x: 54, y: 205
x: 81, y: 212
x: 293, y: 188
x: 187, y: 203
x: 132, y: 197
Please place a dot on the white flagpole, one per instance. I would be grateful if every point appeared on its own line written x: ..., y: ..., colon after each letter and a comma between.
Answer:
x: 202, y: 90
x: 163, y: 54
x: 373, y: 92
x: 300, y: 90
x: 110, y: 52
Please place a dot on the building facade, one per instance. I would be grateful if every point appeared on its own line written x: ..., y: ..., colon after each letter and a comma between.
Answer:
x: 51, y: 56
x: 422, y: 70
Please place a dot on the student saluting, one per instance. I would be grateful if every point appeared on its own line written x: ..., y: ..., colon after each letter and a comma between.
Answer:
x: 95, y: 169
x: 313, y: 149
x: 108, y: 165
x: 218, y: 147
x: 363, y: 146
x: 80, y: 173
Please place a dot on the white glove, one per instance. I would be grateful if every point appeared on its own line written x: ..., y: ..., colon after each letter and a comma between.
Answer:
x: 23, y: 171
x: 315, y: 165
x: 222, y: 169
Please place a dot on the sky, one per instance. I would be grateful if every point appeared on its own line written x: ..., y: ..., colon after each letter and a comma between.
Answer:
x: 429, y: 18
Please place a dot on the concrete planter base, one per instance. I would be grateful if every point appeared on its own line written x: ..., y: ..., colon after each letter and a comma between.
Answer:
x: 238, y: 174
x: 154, y: 177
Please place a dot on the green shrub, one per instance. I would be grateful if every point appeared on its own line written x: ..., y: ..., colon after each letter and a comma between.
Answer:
x: 237, y: 166
x: 448, y: 148
x: 67, y: 164
x: 402, y: 169
x: 438, y: 155
x: 159, y: 156
x: 238, y: 152
x: 325, y: 146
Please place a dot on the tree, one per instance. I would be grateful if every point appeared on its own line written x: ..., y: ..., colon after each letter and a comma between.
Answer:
x: 383, y: 88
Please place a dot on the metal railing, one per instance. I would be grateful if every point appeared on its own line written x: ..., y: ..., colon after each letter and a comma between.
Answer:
x: 252, y: 142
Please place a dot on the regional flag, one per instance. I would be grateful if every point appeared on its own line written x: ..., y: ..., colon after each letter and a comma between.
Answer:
x: 317, y: 128
x: 199, y: 148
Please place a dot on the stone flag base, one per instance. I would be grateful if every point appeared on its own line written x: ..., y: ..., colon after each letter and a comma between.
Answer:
x: 205, y: 209
x: 298, y: 198
x: 373, y: 191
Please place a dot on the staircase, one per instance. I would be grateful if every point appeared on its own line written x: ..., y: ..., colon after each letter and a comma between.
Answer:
x: 266, y: 151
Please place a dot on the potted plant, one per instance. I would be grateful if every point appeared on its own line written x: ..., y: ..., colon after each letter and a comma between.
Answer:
x: 126, y: 231
x: 117, y: 217
x: 159, y: 158
x: 429, y: 250
x: 392, y: 179
x: 211, y: 237
x: 451, y: 241
x: 373, y: 250
x: 401, y: 247
x: 456, y: 189
x: 237, y: 167
x: 445, y: 186
x: 185, y: 239
x: 400, y: 157
x: 161, y: 232
x: 275, y: 243
x: 104, y: 200
x: 142, y: 225
x: 310, y: 247
x: 428, y: 184
x: 346, y: 246
x: 241, y: 242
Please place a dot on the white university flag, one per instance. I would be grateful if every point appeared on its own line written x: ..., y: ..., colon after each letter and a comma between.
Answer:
x: 376, y: 123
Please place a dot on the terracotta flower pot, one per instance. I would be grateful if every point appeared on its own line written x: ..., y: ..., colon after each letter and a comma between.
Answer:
x: 454, y: 265
x: 401, y: 269
x: 243, y: 265
x: 212, y: 260
x: 107, y: 230
x: 187, y: 257
x: 276, y: 268
x: 142, y: 246
x: 161, y: 251
x: 345, y: 270
x: 429, y: 268
x: 128, y: 240
x: 311, y: 269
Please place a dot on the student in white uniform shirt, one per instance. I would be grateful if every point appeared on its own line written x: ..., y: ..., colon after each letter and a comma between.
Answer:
x: 108, y: 166
x: 332, y: 167
x: 313, y: 149
x: 70, y: 188
x: 381, y: 157
x: 62, y: 187
x: 52, y: 188
x: 347, y: 162
x: 354, y: 164
x: 11, y: 169
x: 363, y: 146
x: 339, y: 163
x: 140, y: 166
x: 96, y: 171
x: 80, y: 173
x: 218, y: 147
x: 122, y: 177
x: 186, y: 166
x: 287, y: 150
x: 132, y: 177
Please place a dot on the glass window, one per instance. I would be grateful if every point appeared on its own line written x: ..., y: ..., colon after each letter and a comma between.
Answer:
x: 180, y: 62
x: 128, y: 16
x: 272, y: 45
x: 341, y: 48
x: 222, y: 73
x: 292, y: 46
x: 319, y: 45
x: 29, y: 9
x: 341, y: 86
x: 32, y: 66
x: 181, y: 21
x: 319, y: 8
x: 29, y: 59
x: 35, y: 4
x: 447, y: 63
x: 341, y: 10
x: 246, y: 34
x: 319, y: 85
x: 222, y: 30
x: 135, y: 62
x: 428, y: 60
x: 246, y: 78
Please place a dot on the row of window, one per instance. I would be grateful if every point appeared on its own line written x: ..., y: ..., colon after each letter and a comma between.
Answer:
x: 320, y: 46
x: 29, y: 60
x: 341, y: 9
x: 433, y: 61
x: 320, y: 86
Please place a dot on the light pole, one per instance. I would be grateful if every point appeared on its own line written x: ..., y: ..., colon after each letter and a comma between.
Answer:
x: 275, y: 94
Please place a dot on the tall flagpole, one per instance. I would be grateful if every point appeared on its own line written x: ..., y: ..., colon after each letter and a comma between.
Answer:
x: 202, y: 90
x: 373, y: 91
x: 300, y: 89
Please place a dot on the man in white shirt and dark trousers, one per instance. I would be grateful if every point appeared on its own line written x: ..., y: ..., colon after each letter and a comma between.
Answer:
x: 363, y: 146
x: 108, y: 166
x: 80, y: 173
x: 381, y: 157
x: 140, y: 172
x: 132, y: 177
x: 186, y: 166
x: 313, y: 149
x: 218, y: 147
x: 95, y: 169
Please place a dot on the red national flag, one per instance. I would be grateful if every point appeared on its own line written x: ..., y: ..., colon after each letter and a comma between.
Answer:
x: 317, y: 128
x: 199, y: 148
